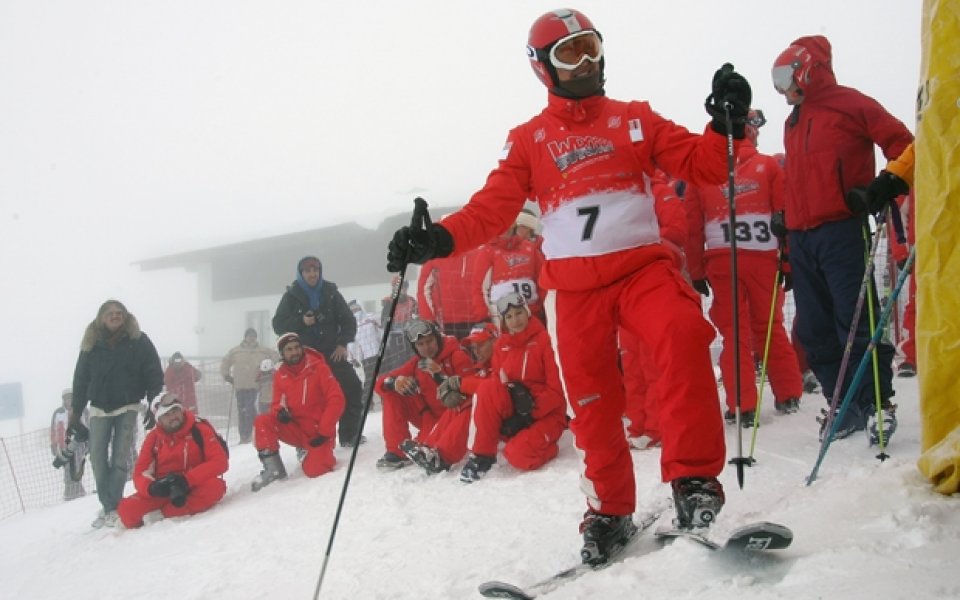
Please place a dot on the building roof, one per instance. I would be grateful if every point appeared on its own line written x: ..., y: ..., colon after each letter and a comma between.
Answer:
x: 351, y: 256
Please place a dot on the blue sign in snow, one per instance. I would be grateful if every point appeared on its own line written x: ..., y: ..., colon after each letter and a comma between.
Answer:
x: 11, y: 401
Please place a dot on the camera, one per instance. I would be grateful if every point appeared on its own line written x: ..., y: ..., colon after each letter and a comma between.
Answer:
x: 178, y: 492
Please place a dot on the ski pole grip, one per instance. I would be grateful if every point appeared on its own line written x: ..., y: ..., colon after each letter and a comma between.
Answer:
x: 421, y: 216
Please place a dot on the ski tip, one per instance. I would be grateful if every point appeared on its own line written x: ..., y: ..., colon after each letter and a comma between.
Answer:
x: 500, y: 589
x: 759, y: 536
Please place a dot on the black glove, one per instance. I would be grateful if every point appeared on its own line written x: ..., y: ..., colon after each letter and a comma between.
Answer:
x: 178, y: 489
x: 513, y: 425
x: 883, y: 189
x: 318, y: 441
x: 702, y: 287
x: 417, y: 246
x: 149, y: 419
x: 160, y: 488
x: 283, y: 415
x: 778, y: 225
x: 77, y: 430
x: 729, y: 87
x: 521, y: 397
x: 787, y: 282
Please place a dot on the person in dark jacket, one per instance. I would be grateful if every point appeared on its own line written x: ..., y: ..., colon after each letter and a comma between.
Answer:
x: 316, y: 311
x: 118, y: 367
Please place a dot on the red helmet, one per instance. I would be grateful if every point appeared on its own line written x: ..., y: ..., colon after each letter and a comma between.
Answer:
x: 792, y: 67
x: 549, y: 29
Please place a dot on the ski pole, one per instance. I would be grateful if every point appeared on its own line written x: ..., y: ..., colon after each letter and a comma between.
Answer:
x: 738, y: 460
x: 766, y: 350
x: 873, y: 354
x: 862, y: 367
x: 852, y: 334
x: 419, y: 222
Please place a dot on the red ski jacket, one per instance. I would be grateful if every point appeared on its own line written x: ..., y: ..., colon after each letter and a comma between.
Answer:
x: 165, y: 453
x: 449, y: 290
x: 310, y: 392
x: 527, y: 357
x: 453, y: 360
x: 511, y: 264
x: 588, y: 164
x: 829, y: 143
x: 759, y: 192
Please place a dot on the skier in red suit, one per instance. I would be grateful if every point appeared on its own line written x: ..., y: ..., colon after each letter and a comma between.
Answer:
x: 307, y: 403
x: 409, y: 392
x: 523, y: 402
x: 759, y: 194
x: 174, y: 473
x: 587, y: 161
x: 511, y: 262
x: 449, y: 293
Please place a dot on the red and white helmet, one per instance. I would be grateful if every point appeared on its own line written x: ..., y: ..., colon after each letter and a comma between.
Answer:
x: 792, y: 67
x: 551, y: 28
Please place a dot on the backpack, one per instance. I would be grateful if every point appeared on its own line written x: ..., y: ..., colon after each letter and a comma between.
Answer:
x: 198, y: 437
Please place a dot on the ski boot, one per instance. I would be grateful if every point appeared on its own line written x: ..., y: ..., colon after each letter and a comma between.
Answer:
x: 810, y: 382
x: 698, y: 500
x: 889, y: 416
x: 392, y: 462
x: 424, y: 456
x: 746, y: 418
x: 273, y: 469
x: 477, y: 466
x: 787, y: 407
x: 604, y: 536
x: 845, y: 430
x: 906, y: 370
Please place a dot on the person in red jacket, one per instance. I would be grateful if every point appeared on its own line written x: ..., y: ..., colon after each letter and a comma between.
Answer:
x: 587, y: 161
x: 759, y: 194
x: 523, y: 403
x: 409, y: 392
x: 449, y: 293
x: 512, y: 263
x: 179, y: 378
x: 829, y: 141
x: 179, y: 468
x: 446, y: 443
x: 307, y: 404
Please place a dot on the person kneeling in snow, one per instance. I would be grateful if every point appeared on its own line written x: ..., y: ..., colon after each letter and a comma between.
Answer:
x: 179, y: 467
x: 307, y: 403
x: 523, y: 403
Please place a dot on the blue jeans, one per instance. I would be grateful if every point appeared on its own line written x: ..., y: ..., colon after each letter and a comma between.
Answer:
x: 828, y: 267
x: 110, y: 441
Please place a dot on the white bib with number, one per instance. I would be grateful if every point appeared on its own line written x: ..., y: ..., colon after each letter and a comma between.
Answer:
x: 600, y: 223
x: 752, y: 232
x: 524, y: 286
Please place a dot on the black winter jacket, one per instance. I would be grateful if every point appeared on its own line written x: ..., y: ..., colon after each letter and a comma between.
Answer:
x: 335, y: 326
x: 111, y: 378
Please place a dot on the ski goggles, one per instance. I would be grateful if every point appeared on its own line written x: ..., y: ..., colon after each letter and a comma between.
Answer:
x: 166, y: 403
x: 783, y: 76
x: 569, y: 52
x: 756, y: 119
x: 418, y: 329
x: 508, y: 301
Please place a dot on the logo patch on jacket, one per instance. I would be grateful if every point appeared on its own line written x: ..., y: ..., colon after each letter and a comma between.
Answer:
x: 578, y: 148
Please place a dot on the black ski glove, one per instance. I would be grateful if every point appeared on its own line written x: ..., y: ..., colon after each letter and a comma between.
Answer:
x: 702, y: 287
x: 514, y: 424
x: 159, y: 488
x: 318, y: 441
x: 178, y: 489
x: 417, y: 246
x: 521, y: 397
x: 729, y: 87
x: 778, y: 225
x: 283, y: 415
x: 883, y: 189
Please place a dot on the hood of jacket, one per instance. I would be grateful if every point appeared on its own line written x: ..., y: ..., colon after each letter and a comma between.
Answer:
x: 96, y: 333
x: 819, y: 74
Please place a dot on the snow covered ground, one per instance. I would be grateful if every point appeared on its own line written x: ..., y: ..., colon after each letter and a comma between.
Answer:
x: 865, y: 529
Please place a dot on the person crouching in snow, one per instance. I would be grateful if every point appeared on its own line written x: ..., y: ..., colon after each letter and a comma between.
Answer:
x: 178, y: 471
x: 446, y: 444
x: 523, y: 403
x: 307, y: 403
x: 409, y: 392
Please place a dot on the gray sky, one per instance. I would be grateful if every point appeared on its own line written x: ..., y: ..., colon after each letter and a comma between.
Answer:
x: 131, y: 129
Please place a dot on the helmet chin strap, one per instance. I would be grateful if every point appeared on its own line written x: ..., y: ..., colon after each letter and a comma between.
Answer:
x: 582, y: 87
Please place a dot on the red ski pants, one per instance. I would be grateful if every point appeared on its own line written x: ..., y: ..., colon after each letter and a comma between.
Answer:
x: 132, y: 509
x: 755, y: 275
x: 270, y: 432
x: 399, y: 413
x: 640, y: 379
x: 449, y: 436
x: 661, y: 309
x: 529, y: 449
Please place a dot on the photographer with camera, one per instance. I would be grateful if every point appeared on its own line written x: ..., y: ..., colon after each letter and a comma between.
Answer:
x: 69, y: 451
x: 178, y: 471
x: 316, y: 311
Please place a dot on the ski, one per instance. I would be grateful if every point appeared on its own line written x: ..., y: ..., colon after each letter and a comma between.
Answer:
x: 500, y: 589
x: 755, y: 537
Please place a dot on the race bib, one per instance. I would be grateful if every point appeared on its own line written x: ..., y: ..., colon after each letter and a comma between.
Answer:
x: 752, y: 232
x: 599, y: 224
x: 524, y: 286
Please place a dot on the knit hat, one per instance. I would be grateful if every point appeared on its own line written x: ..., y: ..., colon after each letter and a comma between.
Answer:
x: 167, y: 402
x: 307, y: 261
x: 286, y: 339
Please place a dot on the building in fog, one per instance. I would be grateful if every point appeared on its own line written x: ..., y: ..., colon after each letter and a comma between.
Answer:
x: 239, y: 285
